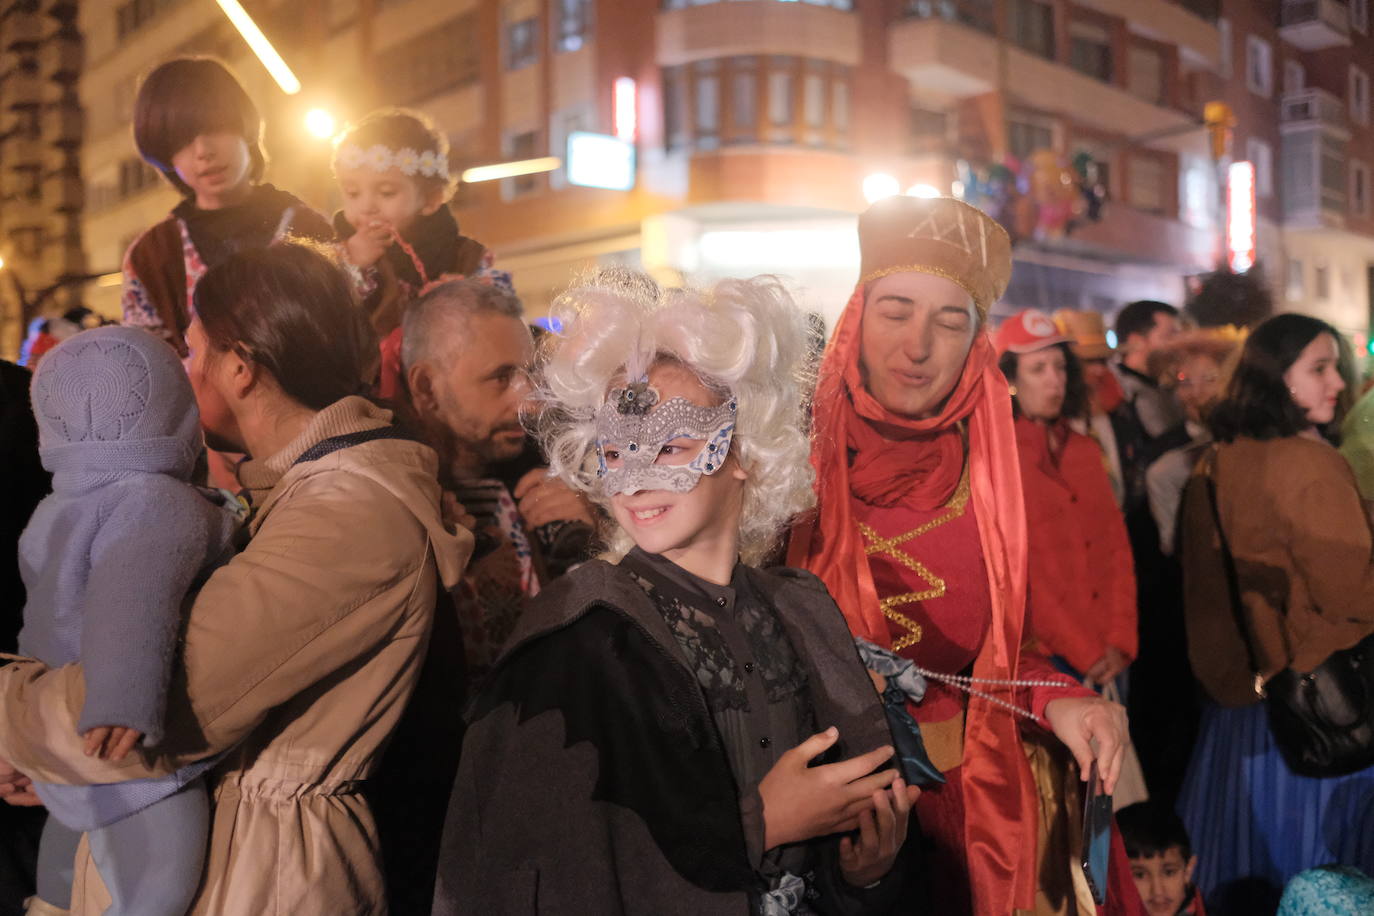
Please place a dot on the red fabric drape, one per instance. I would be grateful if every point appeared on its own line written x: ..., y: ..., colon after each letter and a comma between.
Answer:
x: 999, y: 827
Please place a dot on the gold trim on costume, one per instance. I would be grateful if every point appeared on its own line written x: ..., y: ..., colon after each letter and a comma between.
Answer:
x: 934, y: 272
x: 877, y: 544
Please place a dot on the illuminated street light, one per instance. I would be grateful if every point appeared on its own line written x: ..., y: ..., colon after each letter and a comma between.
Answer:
x: 261, y: 46
x: 923, y: 190
x: 880, y: 185
x: 512, y: 169
x: 320, y: 123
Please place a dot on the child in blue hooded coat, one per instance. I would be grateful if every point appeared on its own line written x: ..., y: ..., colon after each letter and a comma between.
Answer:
x: 107, y: 560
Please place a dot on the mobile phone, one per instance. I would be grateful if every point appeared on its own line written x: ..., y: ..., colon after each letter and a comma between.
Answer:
x: 1097, y: 835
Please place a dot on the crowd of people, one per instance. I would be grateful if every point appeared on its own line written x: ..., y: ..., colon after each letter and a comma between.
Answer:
x: 331, y: 589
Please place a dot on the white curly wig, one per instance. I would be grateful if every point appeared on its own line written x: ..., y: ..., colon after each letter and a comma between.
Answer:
x: 745, y: 337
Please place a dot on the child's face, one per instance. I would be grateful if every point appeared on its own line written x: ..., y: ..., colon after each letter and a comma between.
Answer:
x: 1163, y: 881
x: 390, y: 198
x: 214, y: 166
x: 677, y: 525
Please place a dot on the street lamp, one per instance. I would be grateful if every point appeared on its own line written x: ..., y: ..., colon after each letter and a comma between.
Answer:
x: 320, y: 123
x: 880, y: 185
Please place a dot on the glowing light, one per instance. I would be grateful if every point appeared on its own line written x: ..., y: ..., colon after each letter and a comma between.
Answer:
x: 1240, y: 216
x: 261, y: 46
x: 2, y: 263
x: 111, y: 279
x: 880, y: 185
x: 512, y: 169
x: 923, y: 190
x: 779, y: 249
x: 320, y: 123
x: 1111, y: 339
x: 600, y: 161
x: 626, y: 110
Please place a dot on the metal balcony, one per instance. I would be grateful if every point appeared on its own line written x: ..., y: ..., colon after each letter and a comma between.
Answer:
x: 1312, y: 108
x: 1315, y: 25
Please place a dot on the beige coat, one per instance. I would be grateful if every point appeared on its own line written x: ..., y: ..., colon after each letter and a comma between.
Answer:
x: 300, y: 655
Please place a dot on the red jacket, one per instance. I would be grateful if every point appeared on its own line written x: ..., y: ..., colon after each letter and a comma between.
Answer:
x: 1081, y: 595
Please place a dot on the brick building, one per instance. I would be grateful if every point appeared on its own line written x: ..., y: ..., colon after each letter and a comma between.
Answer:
x: 758, y: 122
x: 40, y: 178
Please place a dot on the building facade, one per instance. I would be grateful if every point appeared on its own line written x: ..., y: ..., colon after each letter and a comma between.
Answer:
x: 758, y: 122
x: 40, y: 177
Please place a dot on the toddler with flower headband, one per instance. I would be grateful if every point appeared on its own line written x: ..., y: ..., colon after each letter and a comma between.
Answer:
x: 397, y: 233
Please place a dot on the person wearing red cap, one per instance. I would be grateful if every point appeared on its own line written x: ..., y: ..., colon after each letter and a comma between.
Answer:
x: 920, y: 535
x: 1080, y: 603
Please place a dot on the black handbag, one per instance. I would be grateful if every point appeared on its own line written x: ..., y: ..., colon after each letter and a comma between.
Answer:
x: 1322, y: 721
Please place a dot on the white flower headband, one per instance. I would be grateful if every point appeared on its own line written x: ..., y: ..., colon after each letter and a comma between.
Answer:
x: 381, y: 158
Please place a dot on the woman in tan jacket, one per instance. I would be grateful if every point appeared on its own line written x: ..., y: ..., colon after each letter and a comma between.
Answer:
x: 301, y: 652
x: 1301, y: 544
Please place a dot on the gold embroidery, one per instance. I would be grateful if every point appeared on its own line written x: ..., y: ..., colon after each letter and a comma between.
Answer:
x: 889, y: 547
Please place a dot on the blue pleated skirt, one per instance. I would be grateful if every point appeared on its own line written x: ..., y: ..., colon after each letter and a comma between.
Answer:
x: 1250, y: 817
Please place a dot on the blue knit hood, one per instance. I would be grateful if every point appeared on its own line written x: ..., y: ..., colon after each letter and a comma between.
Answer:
x: 115, y: 399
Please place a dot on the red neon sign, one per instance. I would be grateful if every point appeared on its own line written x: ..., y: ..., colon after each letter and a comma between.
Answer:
x: 1240, y: 216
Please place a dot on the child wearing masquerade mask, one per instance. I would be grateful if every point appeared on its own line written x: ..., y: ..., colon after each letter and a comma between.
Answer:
x: 396, y: 230
x: 643, y: 743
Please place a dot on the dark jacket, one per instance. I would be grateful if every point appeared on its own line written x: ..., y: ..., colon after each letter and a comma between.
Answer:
x: 1301, y: 541
x: 593, y: 779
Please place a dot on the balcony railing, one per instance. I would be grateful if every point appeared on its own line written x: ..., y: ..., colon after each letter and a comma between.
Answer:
x: 1314, y: 25
x: 979, y: 14
x: 1312, y: 108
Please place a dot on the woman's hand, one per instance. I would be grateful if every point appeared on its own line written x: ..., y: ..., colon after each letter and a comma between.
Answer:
x: 16, y: 788
x: 1106, y: 668
x: 868, y: 859
x: 801, y: 802
x: 542, y: 499
x: 1092, y: 729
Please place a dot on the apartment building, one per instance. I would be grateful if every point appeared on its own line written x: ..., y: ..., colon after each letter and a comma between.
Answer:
x: 1300, y: 85
x: 40, y: 180
x: 757, y: 122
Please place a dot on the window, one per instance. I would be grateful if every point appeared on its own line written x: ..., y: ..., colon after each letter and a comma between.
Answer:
x: 132, y: 16
x: 1026, y: 136
x: 683, y: 4
x: 1294, y: 77
x: 978, y: 14
x: 1261, y: 154
x: 1227, y: 68
x: 1359, y: 96
x: 1359, y: 16
x: 744, y: 99
x: 574, y: 24
x: 1031, y: 24
x: 1145, y: 73
x: 522, y: 43
x: 1321, y: 282
x: 437, y: 59
x: 780, y: 96
x: 521, y: 146
x: 1296, y: 287
x: 1147, y: 179
x: 1259, y: 66
x: 750, y: 99
x: 1359, y: 188
x: 1090, y: 50
x: 676, y: 117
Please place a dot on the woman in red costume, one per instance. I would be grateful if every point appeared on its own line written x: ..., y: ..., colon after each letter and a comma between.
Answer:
x: 921, y: 538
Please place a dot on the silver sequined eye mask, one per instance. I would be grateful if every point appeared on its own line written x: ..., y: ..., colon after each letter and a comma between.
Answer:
x: 634, y: 422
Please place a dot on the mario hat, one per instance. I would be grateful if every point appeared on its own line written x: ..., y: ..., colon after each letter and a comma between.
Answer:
x: 1087, y: 331
x: 1026, y: 332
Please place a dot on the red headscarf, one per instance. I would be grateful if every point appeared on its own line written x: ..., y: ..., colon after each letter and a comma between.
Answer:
x: 918, y: 463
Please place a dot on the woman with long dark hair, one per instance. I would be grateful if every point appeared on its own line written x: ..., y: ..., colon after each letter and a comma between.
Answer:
x: 301, y: 652
x: 1277, y: 496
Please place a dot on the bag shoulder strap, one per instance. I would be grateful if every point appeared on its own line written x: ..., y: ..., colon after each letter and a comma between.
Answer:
x: 348, y: 440
x: 1208, y: 467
